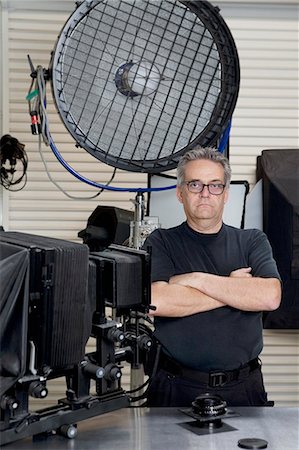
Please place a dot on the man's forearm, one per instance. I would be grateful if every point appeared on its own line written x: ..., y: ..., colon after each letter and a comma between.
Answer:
x: 172, y: 300
x: 245, y: 293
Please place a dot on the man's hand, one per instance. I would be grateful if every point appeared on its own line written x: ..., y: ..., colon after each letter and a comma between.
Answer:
x: 241, y: 273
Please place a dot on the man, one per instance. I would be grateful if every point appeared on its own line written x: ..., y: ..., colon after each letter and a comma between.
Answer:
x: 210, y: 282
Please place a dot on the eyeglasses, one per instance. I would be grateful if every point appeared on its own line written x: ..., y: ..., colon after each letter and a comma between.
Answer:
x: 196, y: 187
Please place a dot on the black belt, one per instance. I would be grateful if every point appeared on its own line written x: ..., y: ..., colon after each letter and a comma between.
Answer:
x: 215, y: 378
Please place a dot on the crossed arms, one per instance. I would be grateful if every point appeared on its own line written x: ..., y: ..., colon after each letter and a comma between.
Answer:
x: 197, y: 292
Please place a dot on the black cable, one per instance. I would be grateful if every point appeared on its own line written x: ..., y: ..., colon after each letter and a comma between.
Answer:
x: 132, y: 391
x: 11, y: 152
x: 37, y: 102
x: 155, y: 368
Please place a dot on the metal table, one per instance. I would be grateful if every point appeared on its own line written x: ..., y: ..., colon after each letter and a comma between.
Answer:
x: 165, y: 428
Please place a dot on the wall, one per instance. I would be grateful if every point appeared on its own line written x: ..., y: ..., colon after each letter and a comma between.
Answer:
x: 266, y: 116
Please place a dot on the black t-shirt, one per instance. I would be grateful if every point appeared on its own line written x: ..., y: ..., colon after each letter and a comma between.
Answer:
x: 223, y: 338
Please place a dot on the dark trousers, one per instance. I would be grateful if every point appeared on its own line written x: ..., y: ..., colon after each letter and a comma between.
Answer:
x: 170, y: 390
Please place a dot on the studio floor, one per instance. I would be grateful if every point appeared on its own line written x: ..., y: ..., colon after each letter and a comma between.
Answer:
x: 170, y: 428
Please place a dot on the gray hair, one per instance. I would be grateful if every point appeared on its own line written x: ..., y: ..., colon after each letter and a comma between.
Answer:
x: 208, y: 153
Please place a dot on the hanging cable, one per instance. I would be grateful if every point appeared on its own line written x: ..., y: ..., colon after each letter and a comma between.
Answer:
x: 12, y: 153
x: 224, y: 138
x: 61, y: 188
x: 39, y: 125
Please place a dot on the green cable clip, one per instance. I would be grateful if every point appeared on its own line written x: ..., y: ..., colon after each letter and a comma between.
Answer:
x: 32, y: 94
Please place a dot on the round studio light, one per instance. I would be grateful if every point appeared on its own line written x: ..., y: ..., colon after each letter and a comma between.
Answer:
x: 139, y: 82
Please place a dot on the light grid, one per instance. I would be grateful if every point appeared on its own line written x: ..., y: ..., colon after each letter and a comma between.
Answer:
x: 137, y: 132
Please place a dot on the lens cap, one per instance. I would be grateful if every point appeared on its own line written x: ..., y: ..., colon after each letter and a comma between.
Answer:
x: 252, y: 443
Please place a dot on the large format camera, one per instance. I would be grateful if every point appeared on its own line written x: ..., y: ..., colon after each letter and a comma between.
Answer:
x: 55, y: 296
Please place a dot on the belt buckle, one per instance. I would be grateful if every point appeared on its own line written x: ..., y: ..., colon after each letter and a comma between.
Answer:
x: 217, y: 379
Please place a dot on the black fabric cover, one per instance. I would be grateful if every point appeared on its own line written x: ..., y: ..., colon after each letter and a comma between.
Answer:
x: 14, y: 270
x: 44, y: 299
x: 279, y: 170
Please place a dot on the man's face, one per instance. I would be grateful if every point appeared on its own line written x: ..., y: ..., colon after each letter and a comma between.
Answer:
x: 203, y: 209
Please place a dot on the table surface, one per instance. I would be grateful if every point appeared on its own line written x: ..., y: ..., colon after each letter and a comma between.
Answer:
x: 169, y: 428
